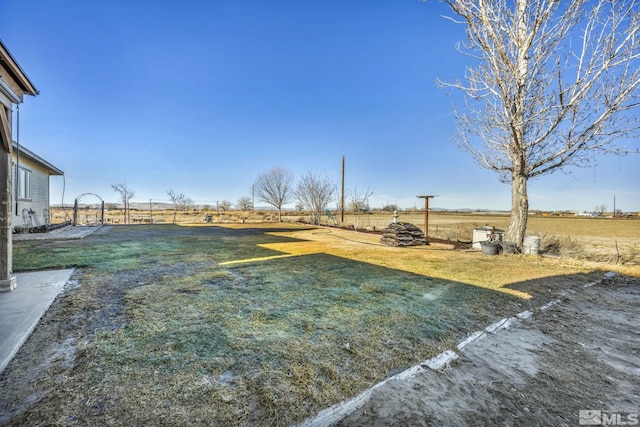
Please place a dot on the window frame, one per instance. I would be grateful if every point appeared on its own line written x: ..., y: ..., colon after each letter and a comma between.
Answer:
x: 24, y: 179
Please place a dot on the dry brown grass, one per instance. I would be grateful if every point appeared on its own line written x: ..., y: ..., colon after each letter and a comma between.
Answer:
x: 495, y: 273
x: 261, y: 324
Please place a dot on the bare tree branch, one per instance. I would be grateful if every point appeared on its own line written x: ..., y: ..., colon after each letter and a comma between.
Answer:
x: 359, y: 202
x: 552, y: 85
x: 244, y: 203
x: 225, y: 205
x: 180, y: 202
x: 275, y: 188
x: 126, y: 194
x: 314, y: 193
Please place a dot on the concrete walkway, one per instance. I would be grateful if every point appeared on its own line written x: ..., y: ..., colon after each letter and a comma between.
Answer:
x: 21, y: 309
x: 69, y: 232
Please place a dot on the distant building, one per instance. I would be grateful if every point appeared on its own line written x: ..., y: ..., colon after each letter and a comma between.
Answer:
x: 591, y: 214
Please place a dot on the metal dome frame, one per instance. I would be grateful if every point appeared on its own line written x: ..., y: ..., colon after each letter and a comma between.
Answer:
x: 75, y: 208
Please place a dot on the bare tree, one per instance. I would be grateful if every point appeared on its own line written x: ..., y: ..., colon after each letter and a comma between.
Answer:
x: 601, y: 209
x: 244, y: 204
x: 314, y: 192
x: 275, y: 188
x: 552, y: 86
x: 359, y: 203
x: 126, y: 194
x: 179, y: 201
x: 224, y: 205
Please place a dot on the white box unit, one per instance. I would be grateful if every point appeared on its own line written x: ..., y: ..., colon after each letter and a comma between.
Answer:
x: 485, y: 233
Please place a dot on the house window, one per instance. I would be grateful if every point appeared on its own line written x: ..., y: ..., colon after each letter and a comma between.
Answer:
x: 24, y: 184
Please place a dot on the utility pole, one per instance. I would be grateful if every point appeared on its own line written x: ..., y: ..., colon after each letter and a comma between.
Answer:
x: 342, y: 196
x: 426, y: 216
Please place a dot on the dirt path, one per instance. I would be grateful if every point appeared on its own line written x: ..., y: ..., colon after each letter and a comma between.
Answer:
x: 582, y: 353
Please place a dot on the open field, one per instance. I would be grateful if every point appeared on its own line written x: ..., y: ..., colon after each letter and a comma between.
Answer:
x: 250, y: 324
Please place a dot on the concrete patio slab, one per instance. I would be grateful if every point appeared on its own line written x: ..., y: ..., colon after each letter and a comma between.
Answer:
x: 21, y: 309
x: 69, y: 232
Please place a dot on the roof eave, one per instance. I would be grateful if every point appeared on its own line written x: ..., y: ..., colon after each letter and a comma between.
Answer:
x: 16, y: 72
x: 23, y: 151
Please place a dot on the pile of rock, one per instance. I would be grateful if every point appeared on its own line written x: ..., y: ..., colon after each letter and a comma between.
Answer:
x: 402, y: 234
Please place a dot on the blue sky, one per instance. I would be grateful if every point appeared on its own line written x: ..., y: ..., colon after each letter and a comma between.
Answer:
x: 203, y: 96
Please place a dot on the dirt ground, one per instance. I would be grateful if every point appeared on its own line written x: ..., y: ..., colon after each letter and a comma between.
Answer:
x: 581, y: 354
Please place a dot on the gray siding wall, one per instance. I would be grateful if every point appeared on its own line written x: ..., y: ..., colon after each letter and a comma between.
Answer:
x: 39, y: 195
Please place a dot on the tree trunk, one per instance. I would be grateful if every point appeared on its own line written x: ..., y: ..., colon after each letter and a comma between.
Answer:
x: 519, y: 210
x: 519, y: 196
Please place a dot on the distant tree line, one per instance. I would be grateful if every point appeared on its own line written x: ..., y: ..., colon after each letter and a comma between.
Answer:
x: 313, y: 192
